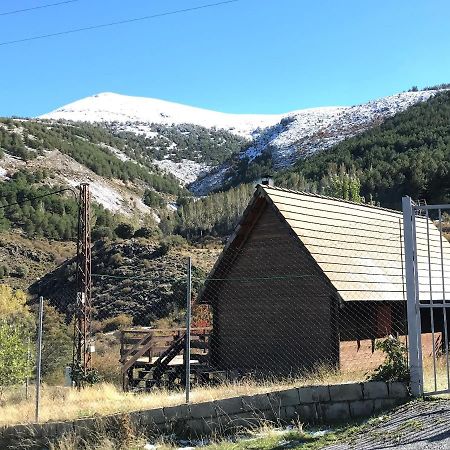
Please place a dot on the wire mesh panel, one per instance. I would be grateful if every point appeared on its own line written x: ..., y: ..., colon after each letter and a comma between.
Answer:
x: 431, y: 226
x: 154, y: 353
x: 278, y: 312
x: 138, y: 291
x: 310, y: 287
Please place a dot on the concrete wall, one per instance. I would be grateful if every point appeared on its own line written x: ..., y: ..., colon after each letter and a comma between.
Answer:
x: 312, y: 404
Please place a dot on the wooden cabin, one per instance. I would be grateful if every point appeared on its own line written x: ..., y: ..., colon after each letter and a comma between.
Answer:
x: 304, y: 281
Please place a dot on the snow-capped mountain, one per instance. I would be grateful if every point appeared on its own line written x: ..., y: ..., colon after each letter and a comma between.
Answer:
x: 287, y: 137
x: 138, y: 111
x: 304, y: 132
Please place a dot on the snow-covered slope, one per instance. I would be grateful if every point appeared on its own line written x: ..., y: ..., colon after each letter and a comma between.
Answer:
x: 306, y: 132
x: 110, y: 107
x: 287, y: 136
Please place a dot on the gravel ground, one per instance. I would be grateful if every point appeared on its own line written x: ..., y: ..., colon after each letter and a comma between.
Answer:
x: 418, y: 425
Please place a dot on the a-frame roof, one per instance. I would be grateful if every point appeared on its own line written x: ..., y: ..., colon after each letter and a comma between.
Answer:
x: 358, y: 247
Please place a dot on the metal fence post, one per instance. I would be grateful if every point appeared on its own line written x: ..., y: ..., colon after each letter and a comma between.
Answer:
x: 188, y: 328
x: 39, y: 357
x: 27, y: 379
x: 413, y: 310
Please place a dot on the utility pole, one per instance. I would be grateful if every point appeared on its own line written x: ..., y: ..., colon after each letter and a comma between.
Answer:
x: 83, y: 314
x: 188, y: 329
x: 39, y: 358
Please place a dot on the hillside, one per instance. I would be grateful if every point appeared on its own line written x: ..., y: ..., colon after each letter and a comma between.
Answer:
x: 242, y: 139
x: 68, y: 154
x: 139, y: 112
x: 408, y: 154
x: 23, y: 260
x: 143, y: 279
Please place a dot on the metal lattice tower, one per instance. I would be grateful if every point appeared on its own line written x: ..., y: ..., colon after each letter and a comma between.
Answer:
x: 83, y: 313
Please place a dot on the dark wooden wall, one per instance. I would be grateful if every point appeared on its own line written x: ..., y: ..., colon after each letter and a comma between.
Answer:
x: 283, y: 324
x: 371, y: 320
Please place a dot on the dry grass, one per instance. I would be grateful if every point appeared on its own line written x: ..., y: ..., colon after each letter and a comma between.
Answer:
x: 441, y: 374
x: 60, y: 403
x: 124, y: 437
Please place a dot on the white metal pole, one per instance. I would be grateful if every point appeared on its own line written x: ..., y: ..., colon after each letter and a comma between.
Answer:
x: 188, y: 329
x: 39, y: 357
x: 27, y: 379
x: 413, y: 311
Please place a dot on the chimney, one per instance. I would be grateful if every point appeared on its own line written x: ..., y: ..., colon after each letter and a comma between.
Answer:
x: 266, y: 180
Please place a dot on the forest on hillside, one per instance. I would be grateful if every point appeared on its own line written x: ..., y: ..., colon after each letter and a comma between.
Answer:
x: 184, y: 141
x: 89, y: 145
x: 215, y: 215
x: 409, y: 154
x: 38, y: 211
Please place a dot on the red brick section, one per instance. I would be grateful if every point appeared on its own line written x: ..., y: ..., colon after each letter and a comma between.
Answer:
x: 361, y: 356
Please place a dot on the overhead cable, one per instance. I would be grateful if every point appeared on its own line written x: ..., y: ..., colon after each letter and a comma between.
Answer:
x: 49, y: 5
x: 119, y: 22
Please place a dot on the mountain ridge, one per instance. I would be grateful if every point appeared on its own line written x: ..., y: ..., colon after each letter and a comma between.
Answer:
x: 285, y: 137
x: 113, y: 107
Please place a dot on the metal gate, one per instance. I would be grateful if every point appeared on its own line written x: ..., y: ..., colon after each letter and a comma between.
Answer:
x: 427, y: 268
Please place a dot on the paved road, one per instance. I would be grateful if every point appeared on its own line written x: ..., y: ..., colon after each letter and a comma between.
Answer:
x: 419, y: 425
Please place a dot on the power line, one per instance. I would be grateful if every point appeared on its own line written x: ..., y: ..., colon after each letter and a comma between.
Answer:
x: 120, y: 22
x: 29, y: 199
x: 49, y: 5
x: 120, y: 277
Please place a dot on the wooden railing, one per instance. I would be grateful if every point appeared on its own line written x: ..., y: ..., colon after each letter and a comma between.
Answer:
x: 151, y: 351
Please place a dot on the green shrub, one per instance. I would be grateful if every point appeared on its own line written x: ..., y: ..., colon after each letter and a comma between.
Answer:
x: 170, y: 242
x: 14, y: 366
x: 91, y: 377
x: 153, y: 199
x: 101, y: 233
x: 116, y: 260
x: 21, y: 271
x: 395, y: 365
x: 117, y: 323
x: 124, y: 231
x: 144, y: 232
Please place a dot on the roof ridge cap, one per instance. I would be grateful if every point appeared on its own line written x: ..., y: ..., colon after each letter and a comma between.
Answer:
x: 327, y: 197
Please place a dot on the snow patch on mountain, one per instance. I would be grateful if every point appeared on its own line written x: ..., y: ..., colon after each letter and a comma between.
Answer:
x: 112, y: 194
x: 286, y: 137
x: 186, y: 171
x: 3, y: 173
x: 303, y: 133
x: 306, y: 132
x: 110, y: 107
x: 116, y: 152
x: 102, y: 194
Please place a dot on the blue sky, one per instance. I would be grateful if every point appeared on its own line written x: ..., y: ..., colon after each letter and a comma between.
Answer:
x: 252, y: 56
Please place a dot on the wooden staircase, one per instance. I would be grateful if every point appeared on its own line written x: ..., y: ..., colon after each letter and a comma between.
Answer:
x: 157, y: 357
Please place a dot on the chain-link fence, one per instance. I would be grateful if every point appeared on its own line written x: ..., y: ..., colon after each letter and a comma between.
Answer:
x: 428, y: 284
x: 275, y: 314
x: 299, y: 299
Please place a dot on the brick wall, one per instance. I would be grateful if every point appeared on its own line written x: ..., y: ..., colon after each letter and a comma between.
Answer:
x: 361, y: 356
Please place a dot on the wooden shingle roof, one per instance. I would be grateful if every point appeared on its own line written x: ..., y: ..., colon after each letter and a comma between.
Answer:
x: 359, y: 247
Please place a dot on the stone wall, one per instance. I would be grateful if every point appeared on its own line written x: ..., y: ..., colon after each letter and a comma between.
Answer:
x: 313, y: 404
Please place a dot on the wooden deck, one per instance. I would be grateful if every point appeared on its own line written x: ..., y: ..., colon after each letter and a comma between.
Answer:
x: 156, y: 357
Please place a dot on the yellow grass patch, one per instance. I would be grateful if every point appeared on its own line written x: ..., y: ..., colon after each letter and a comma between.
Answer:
x: 62, y: 403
